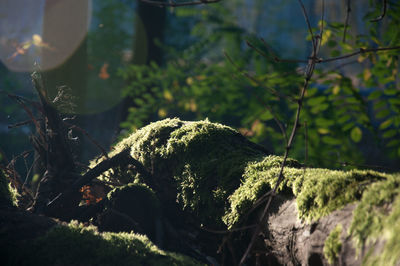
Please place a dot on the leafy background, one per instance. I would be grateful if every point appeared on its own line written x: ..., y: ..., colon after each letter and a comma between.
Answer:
x: 351, y: 115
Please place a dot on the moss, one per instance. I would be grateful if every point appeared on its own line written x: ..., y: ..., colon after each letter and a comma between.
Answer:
x: 76, y: 244
x: 144, y: 146
x: 8, y: 194
x: 318, y: 192
x: 204, y: 160
x: 377, y: 216
x: 214, y: 158
x: 333, y: 244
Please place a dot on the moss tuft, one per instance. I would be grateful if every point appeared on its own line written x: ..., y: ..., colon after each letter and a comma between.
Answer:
x: 76, y: 244
x: 8, y: 194
x: 333, y: 244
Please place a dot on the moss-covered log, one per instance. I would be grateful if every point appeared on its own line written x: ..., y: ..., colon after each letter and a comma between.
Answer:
x: 219, y: 181
x: 197, y: 188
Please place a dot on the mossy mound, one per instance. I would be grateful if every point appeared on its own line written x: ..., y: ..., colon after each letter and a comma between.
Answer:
x: 75, y: 244
x: 200, y: 162
x: 8, y: 195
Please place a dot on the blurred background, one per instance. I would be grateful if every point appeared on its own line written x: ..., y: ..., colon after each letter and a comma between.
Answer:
x: 127, y: 64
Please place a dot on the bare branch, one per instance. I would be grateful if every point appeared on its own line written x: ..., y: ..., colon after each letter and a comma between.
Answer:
x: 360, y: 51
x: 346, y: 22
x: 103, y: 151
x: 384, y: 8
x: 321, y: 29
x: 274, y: 56
x: 308, y: 24
x: 23, y: 123
x: 172, y: 3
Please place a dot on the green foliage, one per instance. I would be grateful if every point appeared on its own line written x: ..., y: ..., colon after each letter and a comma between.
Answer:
x: 333, y: 244
x: 76, y: 244
x: 344, y: 113
x: 108, y: 46
x: 198, y: 82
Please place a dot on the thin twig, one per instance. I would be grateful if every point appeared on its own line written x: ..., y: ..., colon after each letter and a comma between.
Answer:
x: 23, y: 123
x: 103, y: 151
x: 321, y: 29
x: 308, y: 24
x: 346, y: 22
x: 28, y: 111
x: 278, y: 122
x: 360, y: 51
x: 176, y: 4
x: 308, y: 74
x: 247, y: 75
x: 274, y: 56
x: 384, y: 8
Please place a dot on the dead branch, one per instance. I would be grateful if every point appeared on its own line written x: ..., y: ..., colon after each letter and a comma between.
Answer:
x: 23, y: 123
x: 95, y: 143
x: 122, y: 159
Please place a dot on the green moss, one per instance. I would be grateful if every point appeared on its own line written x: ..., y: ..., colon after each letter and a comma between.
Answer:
x: 76, y: 244
x: 333, y: 244
x: 377, y: 216
x: 213, y: 159
x: 204, y: 160
x: 144, y: 145
x: 8, y: 194
x: 318, y: 192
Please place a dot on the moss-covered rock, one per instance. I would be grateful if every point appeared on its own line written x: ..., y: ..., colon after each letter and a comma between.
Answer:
x: 75, y: 244
x: 8, y: 194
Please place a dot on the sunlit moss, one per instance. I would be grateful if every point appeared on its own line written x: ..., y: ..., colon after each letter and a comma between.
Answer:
x: 377, y: 216
x: 333, y: 244
x: 205, y: 160
x: 144, y: 145
x: 213, y: 158
x: 318, y: 192
x: 219, y: 176
x: 8, y: 194
x: 76, y: 244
